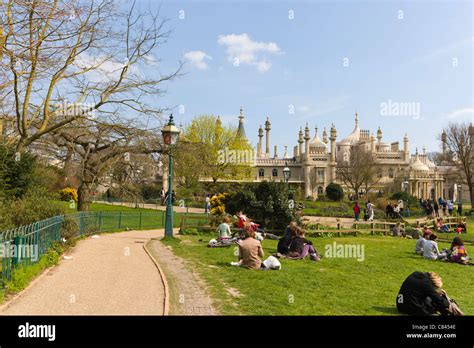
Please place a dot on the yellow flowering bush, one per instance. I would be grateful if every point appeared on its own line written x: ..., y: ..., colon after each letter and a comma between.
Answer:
x: 218, y: 204
x: 68, y: 193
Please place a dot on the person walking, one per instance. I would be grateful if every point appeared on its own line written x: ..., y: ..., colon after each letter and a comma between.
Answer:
x: 450, y: 207
x: 436, y: 208
x: 370, y: 206
x: 356, y: 211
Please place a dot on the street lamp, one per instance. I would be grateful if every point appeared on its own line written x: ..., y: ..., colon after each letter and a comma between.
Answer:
x: 286, y: 174
x: 170, y: 138
x: 459, y: 193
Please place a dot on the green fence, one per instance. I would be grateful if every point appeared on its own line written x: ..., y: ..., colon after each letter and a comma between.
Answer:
x: 25, y: 245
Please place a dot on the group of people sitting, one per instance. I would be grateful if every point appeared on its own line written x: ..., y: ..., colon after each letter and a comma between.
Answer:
x: 427, y: 246
x: 248, y: 237
x: 441, y: 227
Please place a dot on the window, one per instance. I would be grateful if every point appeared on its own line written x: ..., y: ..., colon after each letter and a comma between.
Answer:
x: 261, y: 173
x: 274, y: 172
x: 320, y: 190
x: 390, y: 173
x: 321, y: 175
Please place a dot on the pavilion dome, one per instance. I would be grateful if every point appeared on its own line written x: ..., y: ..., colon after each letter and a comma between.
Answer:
x: 317, y: 143
x: 354, y: 137
x: 417, y: 165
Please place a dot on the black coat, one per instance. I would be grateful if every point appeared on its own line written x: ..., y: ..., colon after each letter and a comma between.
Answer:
x: 297, y: 243
x: 412, y: 297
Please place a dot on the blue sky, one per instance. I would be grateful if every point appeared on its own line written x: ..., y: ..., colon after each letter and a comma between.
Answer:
x: 319, y: 62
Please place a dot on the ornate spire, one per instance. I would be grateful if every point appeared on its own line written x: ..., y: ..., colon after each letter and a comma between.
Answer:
x: 356, y: 119
x: 241, y: 129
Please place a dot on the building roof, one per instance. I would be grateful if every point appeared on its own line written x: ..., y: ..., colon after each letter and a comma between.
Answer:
x: 241, y: 129
x: 354, y: 137
x: 417, y: 165
x: 316, y: 142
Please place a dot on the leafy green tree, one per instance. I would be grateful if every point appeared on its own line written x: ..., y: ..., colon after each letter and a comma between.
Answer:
x: 221, y: 153
x: 16, y: 172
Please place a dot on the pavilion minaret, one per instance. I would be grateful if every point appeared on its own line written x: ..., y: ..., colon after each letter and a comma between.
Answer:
x: 332, y: 163
x: 267, y: 138
x: 241, y: 129
x: 260, y: 140
x: 300, y: 144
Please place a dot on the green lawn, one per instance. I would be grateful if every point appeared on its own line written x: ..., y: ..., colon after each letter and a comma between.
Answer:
x: 333, y: 286
x: 117, y: 218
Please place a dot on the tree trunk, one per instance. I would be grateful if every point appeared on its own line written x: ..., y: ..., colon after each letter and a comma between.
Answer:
x: 83, y: 197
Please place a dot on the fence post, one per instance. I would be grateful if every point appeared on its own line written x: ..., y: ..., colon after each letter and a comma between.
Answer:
x: 372, y: 232
x: 17, y: 257
x: 140, y: 223
x: 120, y: 220
x: 100, y: 221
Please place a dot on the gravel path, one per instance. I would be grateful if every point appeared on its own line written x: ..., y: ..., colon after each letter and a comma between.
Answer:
x: 189, y: 294
x: 110, y: 275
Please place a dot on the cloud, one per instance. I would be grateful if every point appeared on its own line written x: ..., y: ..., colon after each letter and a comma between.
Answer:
x: 150, y: 60
x: 105, y: 68
x: 197, y: 59
x: 450, y: 48
x: 242, y: 49
x: 466, y: 113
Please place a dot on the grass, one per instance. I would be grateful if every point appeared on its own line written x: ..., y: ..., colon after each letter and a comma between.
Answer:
x: 130, y: 217
x: 333, y: 286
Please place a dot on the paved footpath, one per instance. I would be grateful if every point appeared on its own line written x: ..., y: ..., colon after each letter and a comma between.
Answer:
x: 110, y: 275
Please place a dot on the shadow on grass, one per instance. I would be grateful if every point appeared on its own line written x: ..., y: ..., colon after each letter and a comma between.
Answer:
x: 387, y: 310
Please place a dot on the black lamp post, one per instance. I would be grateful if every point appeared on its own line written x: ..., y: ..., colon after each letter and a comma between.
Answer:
x: 170, y: 138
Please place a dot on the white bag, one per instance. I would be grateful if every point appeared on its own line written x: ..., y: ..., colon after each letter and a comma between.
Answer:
x: 272, y: 263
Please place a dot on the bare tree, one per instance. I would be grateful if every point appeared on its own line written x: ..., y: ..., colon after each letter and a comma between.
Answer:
x: 98, y: 146
x: 63, y: 60
x: 459, y: 145
x: 358, y: 170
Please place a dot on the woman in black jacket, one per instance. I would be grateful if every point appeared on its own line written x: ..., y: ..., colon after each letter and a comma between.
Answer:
x: 422, y: 294
x: 284, y: 242
x: 300, y: 247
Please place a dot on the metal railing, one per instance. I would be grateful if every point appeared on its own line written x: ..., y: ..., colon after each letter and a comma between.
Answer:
x: 25, y: 245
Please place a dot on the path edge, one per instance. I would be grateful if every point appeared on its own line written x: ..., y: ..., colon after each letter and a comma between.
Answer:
x: 166, y: 299
x: 16, y: 296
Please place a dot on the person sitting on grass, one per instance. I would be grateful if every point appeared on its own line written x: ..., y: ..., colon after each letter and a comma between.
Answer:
x: 284, y: 242
x: 422, y: 294
x: 300, y: 247
x: 420, y: 244
x: 461, y: 228
x: 250, y: 250
x: 431, y: 251
x: 440, y: 226
x: 398, y: 231
x: 458, y: 252
x: 224, y: 229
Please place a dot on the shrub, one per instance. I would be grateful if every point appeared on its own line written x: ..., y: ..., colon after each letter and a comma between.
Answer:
x: 265, y: 202
x: 36, y: 205
x: 67, y: 194
x: 334, y: 192
x: 406, y: 197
